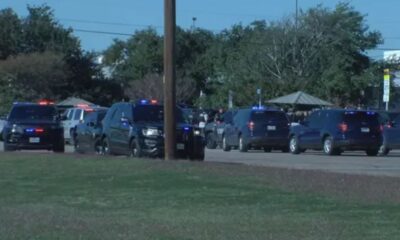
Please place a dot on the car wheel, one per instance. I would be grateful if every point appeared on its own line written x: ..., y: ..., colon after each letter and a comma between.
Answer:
x: 105, y: 147
x: 242, y: 146
x: 328, y: 147
x: 225, y: 146
x: 98, y: 148
x: 372, y: 152
x: 383, y: 150
x: 136, y: 149
x: 210, y: 143
x: 294, y: 145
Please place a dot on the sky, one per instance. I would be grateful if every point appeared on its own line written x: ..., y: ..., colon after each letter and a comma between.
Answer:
x: 126, y: 16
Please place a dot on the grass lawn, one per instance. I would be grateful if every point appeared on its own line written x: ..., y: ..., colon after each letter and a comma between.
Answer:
x: 46, y: 196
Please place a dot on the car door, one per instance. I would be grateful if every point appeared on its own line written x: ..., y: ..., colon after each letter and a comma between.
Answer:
x: 125, y: 127
x: 67, y: 122
x: 227, y: 119
x: 114, y: 137
x: 228, y: 130
x: 309, y: 136
x: 391, y: 133
x: 239, y: 122
x: 90, y: 125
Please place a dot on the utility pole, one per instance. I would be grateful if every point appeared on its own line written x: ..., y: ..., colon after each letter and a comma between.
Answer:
x: 169, y: 79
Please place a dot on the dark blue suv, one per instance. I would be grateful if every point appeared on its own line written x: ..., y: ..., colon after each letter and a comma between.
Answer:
x: 336, y: 130
x: 266, y: 128
x: 391, y: 135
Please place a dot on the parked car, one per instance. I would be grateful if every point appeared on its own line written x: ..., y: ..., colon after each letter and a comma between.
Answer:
x: 33, y: 126
x: 88, y: 133
x: 72, y: 117
x: 214, y: 130
x: 337, y: 130
x: 137, y: 129
x: 258, y: 127
x: 390, y: 135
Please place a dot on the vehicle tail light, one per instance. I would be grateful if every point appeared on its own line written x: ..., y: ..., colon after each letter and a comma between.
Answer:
x: 39, y: 130
x: 250, y: 125
x: 343, y: 127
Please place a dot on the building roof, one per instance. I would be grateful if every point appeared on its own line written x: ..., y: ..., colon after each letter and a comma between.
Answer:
x: 73, y: 101
x: 300, y: 98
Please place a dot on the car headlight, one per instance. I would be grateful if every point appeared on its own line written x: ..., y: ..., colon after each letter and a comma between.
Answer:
x: 196, y: 132
x: 150, y: 132
x: 16, y: 129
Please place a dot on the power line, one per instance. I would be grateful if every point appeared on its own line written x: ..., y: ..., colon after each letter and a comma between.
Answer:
x: 259, y: 43
x: 108, y: 23
x: 103, y: 32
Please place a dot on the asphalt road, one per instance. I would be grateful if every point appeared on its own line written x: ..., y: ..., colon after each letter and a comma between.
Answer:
x: 348, y: 162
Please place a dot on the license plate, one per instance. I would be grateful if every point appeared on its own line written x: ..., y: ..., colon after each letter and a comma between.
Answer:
x: 220, y: 131
x: 202, y: 124
x: 180, y: 146
x: 271, y: 128
x: 365, y: 130
x: 34, y: 140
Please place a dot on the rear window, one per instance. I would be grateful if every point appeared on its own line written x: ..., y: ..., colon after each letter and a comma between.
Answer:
x: 33, y: 113
x: 356, y: 118
x: 267, y: 116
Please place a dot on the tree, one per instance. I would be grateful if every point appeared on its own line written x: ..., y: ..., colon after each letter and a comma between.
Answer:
x: 10, y: 33
x: 41, y: 58
x: 41, y: 32
x: 29, y: 77
x: 140, y: 59
x: 325, y: 55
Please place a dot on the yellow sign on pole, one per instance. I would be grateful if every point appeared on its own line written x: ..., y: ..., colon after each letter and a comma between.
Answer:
x: 386, y: 86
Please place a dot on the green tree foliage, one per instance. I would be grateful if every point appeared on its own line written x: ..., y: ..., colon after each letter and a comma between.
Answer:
x: 41, y: 32
x: 10, y: 33
x: 324, y: 55
x: 140, y: 60
x: 42, y: 75
x: 140, y: 55
x: 40, y: 58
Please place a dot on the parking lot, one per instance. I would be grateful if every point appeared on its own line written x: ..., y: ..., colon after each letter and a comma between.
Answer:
x: 348, y: 162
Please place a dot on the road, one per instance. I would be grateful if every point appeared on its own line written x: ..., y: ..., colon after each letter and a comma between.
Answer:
x: 348, y: 162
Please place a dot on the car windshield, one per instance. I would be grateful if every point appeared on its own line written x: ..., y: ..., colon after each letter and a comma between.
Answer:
x: 266, y: 116
x: 356, y: 118
x: 153, y: 113
x: 33, y: 113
